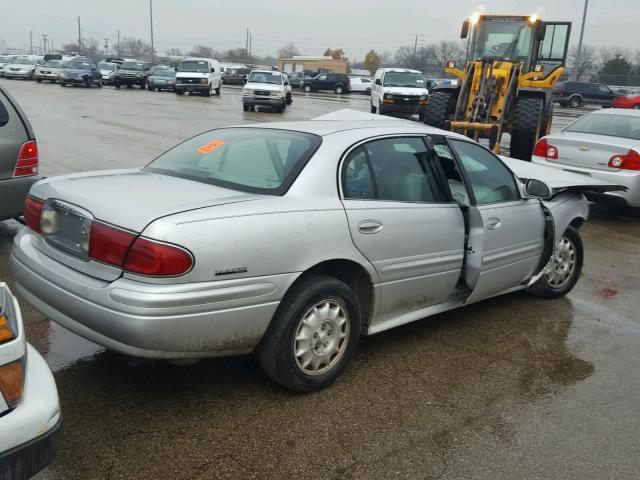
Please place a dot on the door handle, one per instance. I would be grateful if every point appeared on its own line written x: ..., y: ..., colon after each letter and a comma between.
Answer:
x: 370, y: 226
x: 493, y: 223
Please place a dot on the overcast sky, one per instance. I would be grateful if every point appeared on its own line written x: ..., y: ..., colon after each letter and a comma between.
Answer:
x: 354, y: 25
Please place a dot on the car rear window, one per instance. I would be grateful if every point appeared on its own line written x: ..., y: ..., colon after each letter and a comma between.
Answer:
x: 4, y: 115
x: 258, y: 160
x: 625, y: 126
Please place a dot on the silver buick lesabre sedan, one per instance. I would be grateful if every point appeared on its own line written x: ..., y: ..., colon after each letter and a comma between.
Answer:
x: 290, y: 240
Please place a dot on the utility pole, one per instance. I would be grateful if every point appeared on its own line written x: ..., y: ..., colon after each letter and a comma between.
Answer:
x: 415, y: 47
x: 44, y: 42
x: 52, y: 49
x: 118, y: 44
x: 250, y: 45
x: 30, y: 42
x: 576, y: 67
x: 151, y: 20
x: 106, y: 47
x: 79, y: 37
x: 246, y: 43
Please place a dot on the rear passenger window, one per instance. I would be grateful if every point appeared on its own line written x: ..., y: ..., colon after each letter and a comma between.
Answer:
x: 395, y: 169
x: 4, y: 115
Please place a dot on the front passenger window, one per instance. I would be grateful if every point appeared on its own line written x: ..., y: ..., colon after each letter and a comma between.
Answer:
x: 491, y: 181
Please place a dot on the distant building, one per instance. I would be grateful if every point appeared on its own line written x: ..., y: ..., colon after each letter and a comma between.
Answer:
x: 300, y: 63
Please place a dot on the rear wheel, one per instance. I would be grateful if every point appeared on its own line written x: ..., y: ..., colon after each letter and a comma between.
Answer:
x: 307, y: 88
x: 565, y: 268
x: 441, y: 107
x: 218, y: 91
x: 575, y: 101
x: 525, y: 126
x: 312, y: 336
x: 339, y: 89
x: 373, y: 108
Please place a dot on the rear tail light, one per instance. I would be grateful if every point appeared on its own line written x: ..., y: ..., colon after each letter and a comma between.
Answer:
x: 543, y: 149
x: 32, y: 211
x: 109, y: 244
x: 630, y: 161
x: 12, y: 382
x: 148, y: 257
x: 27, y: 160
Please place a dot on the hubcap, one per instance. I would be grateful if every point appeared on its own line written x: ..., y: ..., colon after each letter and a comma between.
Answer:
x: 321, y: 337
x: 564, y: 264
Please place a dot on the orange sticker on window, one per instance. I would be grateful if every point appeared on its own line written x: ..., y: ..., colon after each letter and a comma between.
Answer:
x: 210, y: 147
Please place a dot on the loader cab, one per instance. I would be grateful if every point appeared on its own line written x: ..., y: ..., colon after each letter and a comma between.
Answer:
x: 518, y: 39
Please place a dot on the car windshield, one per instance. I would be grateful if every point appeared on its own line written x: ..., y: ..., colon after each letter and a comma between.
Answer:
x: 4, y: 59
x: 259, y: 160
x: 24, y: 61
x: 164, y: 73
x: 266, y: 77
x: 107, y: 66
x: 53, y: 64
x: 404, y: 79
x: 80, y: 64
x: 625, y: 126
x: 137, y: 66
x: 194, y: 66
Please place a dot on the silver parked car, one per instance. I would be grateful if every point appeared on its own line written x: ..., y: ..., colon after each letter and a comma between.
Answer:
x: 49, y: 71
x: 291, y: 240
x: 605, y: 145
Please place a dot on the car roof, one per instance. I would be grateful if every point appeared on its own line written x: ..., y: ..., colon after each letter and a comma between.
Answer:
x: 628, y: 112
x: 401, y: 70
x: 347, y: 119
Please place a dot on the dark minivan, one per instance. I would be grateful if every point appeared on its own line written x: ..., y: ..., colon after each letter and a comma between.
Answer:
x: 18, y: 157
x: 337, y: 82
x: 576, y: 94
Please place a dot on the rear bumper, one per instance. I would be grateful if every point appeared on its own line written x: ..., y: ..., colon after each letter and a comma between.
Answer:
x: 627, y: 178
x: 12, y: 194
x: 30, y: 432
x: 202, y: 319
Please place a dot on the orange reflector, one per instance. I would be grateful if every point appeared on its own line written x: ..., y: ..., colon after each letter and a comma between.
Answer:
x: 12, y: 382
x: 5, y: 330
x: 388, y: 100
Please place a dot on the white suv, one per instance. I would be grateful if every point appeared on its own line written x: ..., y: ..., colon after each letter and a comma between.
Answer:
x: 399, y: 90
x: 266, y: 88
x: 29, y: 408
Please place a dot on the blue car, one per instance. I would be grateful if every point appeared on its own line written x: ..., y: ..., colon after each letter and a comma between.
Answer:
x: 81, y: 71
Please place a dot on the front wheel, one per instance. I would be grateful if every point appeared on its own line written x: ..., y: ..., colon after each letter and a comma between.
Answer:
x: 307, y: 88
x: 339, y: 89
x: 312, y: 336
x: 39, y: 80
x: 440, y: 109
x: 218, y: 91
x: 565, y: 268
x: 526, y: 126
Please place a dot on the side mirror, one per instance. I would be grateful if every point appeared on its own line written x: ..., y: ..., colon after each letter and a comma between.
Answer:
x: 378, y: 81
x: 213, y: 70
x: 536, y: 188
x: 464, y: 33
x: 541, y: 31
x: 286, y: 83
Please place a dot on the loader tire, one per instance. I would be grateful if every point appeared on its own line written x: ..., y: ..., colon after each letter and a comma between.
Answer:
x: 441, y: 107
x: 526, y: 126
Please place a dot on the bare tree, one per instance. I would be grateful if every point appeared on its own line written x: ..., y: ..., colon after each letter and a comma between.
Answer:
x: 612, y: 52
x: 202, y: 51
x: 386, y: 57
x: 288, y: 51
x: 135, y: 48
x: 447, y: 50
x: 588, y: 60
x: 408, y: 58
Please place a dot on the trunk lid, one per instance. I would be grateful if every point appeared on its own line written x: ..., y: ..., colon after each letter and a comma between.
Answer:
x: 587, y: 150
x: 131, y: 199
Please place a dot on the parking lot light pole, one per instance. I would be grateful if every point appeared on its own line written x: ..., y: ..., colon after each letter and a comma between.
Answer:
x: 151, y: 21
x: 578, y: 61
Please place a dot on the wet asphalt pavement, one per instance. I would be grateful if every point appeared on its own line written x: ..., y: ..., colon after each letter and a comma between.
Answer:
x: 513, y: 387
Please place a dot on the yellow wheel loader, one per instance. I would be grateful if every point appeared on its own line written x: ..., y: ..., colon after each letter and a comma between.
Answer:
x: 513, y: 63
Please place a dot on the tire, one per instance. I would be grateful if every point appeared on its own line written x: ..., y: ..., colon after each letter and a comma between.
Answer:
x: 575, y: 101
x: 339, y: 89
x: 62, y: 84
x: 209, y: 92
x: 218, y: 91
x: 289, y: 99
x: 564, y: 104
x: 548, y: 285
x: 525, y: 126
x: 99, y: 84
x: 179, y: 92
x: 129, y: 85
x: 373, y: 109
x: 150, y: 88
x: 307, y: 88
x: 276, y: 352
x: 441, y: 107
x: 246, y: 108
x: 39, y: 80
